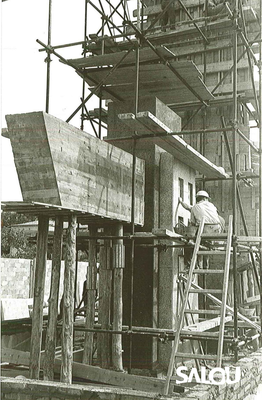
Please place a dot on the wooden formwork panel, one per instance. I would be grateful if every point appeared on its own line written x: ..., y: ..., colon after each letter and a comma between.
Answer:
x: 62, y: 165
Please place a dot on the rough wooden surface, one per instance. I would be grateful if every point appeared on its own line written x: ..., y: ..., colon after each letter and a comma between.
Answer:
x: 118, y: 265
x: 68, y: 302
x: 50, y: 344
x: 39, y: 287
x: 156, y: 80
x: 105, y: 296
x: 62, y: 165
x: 91, y: 297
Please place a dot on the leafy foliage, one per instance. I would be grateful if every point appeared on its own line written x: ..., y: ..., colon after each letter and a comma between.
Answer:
x: 14, y: 243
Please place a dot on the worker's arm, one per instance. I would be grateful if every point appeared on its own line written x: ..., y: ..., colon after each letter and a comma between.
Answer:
x: 185, y: 205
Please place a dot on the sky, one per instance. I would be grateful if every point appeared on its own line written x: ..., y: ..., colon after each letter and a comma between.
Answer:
x: 23, y: 69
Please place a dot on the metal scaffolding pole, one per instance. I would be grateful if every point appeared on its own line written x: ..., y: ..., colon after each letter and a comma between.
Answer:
x: 83, y: 84
x: 48, y: 58
x: 234, y: 172
x: 260, y: 164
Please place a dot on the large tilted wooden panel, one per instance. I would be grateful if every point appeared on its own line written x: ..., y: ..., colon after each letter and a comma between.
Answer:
x: 62, y: 165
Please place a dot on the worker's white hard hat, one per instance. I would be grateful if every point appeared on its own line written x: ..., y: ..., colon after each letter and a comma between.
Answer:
x: 202, y: 193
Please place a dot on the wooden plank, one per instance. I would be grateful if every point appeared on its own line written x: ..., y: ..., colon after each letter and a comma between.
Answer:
x: 197, y: 356
x: 165, y: 233
x: 178, y: 148
x: 68, y: 302
x: 50, y: 344
x: 145, y: 55
x: 253, y: 301
x: 62, y: 165
x: 210, y: 312
x: 225, y: 293
x: 249, y: 239
x: 205, y: 291
x: 206, y: 325
x: 94, y: 374
x: 105, y: 292
x: 148, y: 73
x: 39, y: 287
x: 90, y: 297
x: 117, y: 322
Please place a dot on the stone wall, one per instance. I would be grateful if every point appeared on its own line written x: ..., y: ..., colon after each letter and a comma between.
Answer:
x: 17, y: 276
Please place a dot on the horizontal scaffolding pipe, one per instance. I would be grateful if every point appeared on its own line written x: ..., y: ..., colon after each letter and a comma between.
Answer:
x: 175, y: 133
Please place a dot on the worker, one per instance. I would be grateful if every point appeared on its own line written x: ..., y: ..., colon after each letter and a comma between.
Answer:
x: 204, y: 208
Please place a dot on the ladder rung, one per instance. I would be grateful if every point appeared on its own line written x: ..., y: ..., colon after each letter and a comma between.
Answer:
x: 208, y: 271
x: 212, y: 312
x: 205, y: 291
x: 197, y: 356
x: 211, y: 252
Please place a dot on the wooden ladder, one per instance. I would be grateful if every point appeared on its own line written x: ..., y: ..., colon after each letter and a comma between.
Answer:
x: 190, y: 287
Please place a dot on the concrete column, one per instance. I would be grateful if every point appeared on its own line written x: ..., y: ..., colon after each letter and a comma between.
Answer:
x: 167, y: 266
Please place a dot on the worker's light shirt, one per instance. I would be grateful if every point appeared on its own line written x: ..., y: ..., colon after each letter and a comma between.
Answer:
x: 204, y: 209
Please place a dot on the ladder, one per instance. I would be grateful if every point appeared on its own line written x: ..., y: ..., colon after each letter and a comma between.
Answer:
x: 190, y: 287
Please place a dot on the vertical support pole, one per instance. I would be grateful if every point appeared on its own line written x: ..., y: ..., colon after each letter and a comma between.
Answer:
x: 50, y: 344
x: 118, y: 265
x: 39, y: 287
x: 83, y: 86
x: 68, y: 304
x: 91, y: 297
x: 234, y: 172
x: 260, y: 165
x: 105, y: 291
x: 48, y: 57
x: 133, y: 203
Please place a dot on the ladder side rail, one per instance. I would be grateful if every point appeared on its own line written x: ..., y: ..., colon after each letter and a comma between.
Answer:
x: 224, y: 295
x: 183, y: 307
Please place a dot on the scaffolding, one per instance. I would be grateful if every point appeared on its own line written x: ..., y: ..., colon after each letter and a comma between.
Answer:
x: 127, y: 40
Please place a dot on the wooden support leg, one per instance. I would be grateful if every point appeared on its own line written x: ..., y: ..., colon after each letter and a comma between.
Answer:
x: 68, y: 303
x: 39, y: 287
x: 49, y: 358
x: 105, y: 290
x: 91, y: 297
x: 118, y: 265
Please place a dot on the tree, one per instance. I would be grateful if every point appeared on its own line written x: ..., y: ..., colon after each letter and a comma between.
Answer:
x: 14, y: 243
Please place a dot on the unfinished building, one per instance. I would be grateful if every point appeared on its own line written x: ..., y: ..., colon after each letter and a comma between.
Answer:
x: 178, y: 97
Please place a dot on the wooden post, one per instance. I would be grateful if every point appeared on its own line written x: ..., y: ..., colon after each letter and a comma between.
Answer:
x: 68, y: 303
x: 49, y: 358
x: 91, y: 298
x: 39, y: 287
x: 118, y: 265
x: 105, y: 289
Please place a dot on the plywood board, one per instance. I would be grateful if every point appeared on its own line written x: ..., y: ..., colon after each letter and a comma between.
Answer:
x: 156, y: 79
x: 145, y: 55
x: 62, y: 165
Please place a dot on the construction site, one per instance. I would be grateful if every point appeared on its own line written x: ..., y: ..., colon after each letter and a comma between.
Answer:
x: 178, y: 88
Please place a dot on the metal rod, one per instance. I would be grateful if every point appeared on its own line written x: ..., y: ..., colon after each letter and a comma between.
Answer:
x: 48, y: 58
x: 234, y: 172
x: 133, y: 215
x: 260, y: 165
x: 110, y: 16
x: 241, y: 208
x: 83, y: 84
